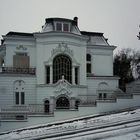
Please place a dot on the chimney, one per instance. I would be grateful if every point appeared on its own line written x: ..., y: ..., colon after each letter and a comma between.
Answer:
x: 76, y: 20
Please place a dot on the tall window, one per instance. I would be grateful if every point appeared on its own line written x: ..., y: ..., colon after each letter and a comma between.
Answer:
x: 62, y: 66
x: 19, y: 92
x: 47, y: 74
x: 88, y: 63
x: 22, y: 98
x: 19, y: 98
x: 76, y: 75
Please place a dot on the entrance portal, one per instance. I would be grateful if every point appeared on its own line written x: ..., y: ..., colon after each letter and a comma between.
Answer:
x: 62, y: 103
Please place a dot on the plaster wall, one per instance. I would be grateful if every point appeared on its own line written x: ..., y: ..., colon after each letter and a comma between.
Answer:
x: 102, y: 62
x: 11, y: 50
x: 93, y: 83
x: 45, y: 57
x: 7, y: 93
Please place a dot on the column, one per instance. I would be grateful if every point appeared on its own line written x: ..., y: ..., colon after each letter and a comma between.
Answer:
x: 51, y: 74
x: 0, y: 62
x: 52, y: 104
x: 73, y: 75
x: 0, y: 65
x: 72, y: 103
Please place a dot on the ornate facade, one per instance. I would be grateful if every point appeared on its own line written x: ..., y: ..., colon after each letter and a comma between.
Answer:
x: 59, y: 68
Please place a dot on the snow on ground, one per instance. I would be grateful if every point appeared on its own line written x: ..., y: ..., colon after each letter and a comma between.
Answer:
x: 124, y: 125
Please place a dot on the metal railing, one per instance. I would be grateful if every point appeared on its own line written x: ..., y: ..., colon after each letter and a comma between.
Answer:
x: 124, y: 95
x: 13, y: 70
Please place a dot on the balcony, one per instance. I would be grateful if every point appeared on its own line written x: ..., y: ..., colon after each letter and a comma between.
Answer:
x: 13, y: 70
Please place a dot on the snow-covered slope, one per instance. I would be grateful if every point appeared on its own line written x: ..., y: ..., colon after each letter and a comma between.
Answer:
x: 111, y: 126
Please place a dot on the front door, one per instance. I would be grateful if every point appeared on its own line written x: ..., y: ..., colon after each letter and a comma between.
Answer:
x: 62, y: 103
x: 46, y: 106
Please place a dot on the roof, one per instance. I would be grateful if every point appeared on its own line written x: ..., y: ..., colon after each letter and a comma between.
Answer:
x: 50, y: 20
x: 91, y: 33
x: 19, y: 34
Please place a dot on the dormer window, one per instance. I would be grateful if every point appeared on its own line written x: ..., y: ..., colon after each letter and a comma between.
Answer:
x: 58, y: 26
x: 63, y: 27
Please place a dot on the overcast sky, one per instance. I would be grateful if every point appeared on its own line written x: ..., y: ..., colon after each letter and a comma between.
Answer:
x: 118, y: 19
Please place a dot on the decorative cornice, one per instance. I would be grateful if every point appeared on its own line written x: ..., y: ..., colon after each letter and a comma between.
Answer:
x: 57, y: 42
x: 104, y: 77
x: 54, y: 85
x: 61, y: 34
x: 108, y: 47
x: 19, y: 38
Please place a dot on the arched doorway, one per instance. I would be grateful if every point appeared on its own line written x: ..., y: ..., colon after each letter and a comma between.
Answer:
x: 46, y: 106
x: 62, y: 103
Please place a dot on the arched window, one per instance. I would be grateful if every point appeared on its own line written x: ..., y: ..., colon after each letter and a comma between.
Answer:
x: 88, y: 63
x: 62, y: 66
x: 19, y: 89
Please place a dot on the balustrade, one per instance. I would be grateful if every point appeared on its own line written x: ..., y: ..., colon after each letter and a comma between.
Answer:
x: 13, y: 70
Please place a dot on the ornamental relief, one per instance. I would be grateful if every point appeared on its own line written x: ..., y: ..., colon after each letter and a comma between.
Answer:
x: 21, y: 47
x: 62, y: 87
x: 62, y: 48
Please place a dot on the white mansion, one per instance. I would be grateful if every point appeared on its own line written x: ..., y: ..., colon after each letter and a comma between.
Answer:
x: 58, y: 69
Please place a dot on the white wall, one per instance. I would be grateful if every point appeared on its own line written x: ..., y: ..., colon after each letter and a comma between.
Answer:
x: 46, y: 44
x: 7, y: 95
x: 102, y: 60
x: 93, y: 83
x: 11, y: 49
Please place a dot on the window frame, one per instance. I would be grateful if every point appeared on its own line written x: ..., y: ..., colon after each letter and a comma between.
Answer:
x: 88, y: 63
x: 62, y: 65
x: 19, y: 98
x: 62, y: 26
x: 47, y: 68
x: 22, y: 98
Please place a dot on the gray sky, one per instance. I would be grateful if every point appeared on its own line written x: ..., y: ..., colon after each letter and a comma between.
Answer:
x: 118, y: 19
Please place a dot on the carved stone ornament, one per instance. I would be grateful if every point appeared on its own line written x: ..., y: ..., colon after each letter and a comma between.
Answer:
x: 62, y: 48
x: 62, y: 87
x: 21, y: 47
